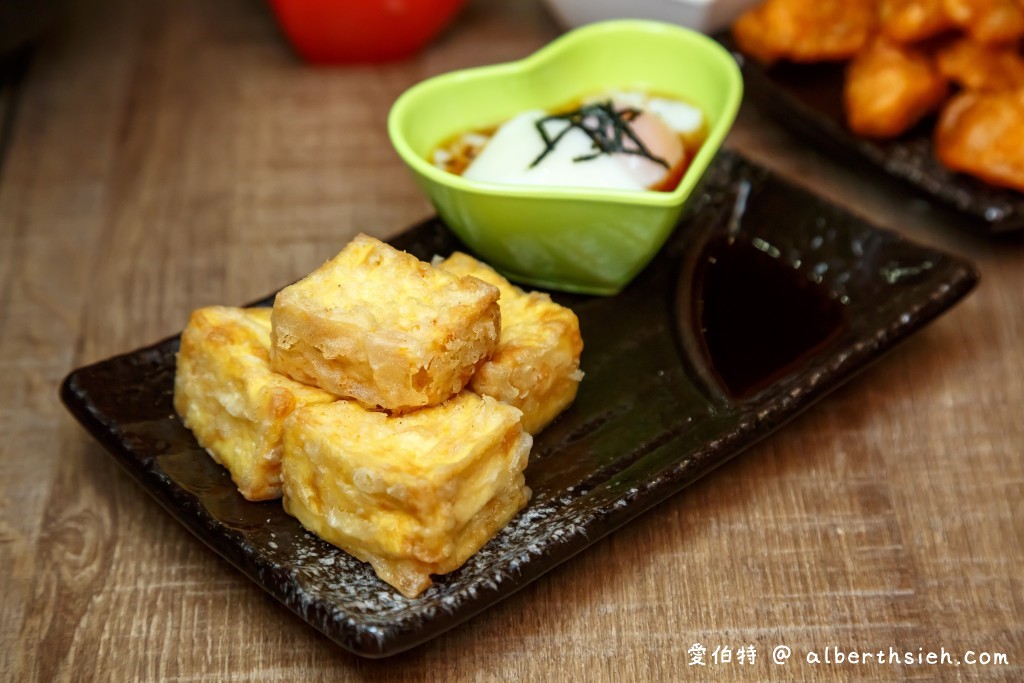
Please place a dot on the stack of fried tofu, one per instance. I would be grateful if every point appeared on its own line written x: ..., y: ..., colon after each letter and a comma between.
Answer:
x: 389, y: 401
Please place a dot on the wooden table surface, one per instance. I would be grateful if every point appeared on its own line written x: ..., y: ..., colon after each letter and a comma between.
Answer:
x: 159, y: 156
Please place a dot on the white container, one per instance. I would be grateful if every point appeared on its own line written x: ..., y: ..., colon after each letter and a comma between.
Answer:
x: 707, y: 16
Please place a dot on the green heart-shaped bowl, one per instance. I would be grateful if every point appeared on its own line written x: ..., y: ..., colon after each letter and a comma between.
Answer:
x: 578, y: 240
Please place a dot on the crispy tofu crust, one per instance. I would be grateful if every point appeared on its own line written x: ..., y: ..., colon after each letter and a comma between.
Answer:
x: 382, y: 327
x: 414, y: 494
x: 235, y: 405
x: 536, y: 365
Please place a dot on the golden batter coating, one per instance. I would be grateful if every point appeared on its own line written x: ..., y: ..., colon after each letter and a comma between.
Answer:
x: 235, y: 405
x: 977, y: 66
x: 911, y: 21
x: 413, y: 495
x: 805, y: 30
x: 890, y: 88
x: 536, y: 365
x: 981, y: 133
x: 988, y: 21
x: 382, y: 327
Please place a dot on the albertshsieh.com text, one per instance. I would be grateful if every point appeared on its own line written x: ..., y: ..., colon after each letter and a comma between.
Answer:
x: 837, y: 655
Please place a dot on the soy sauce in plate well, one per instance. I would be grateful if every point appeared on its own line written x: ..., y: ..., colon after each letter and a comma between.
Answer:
x: 759, y: 316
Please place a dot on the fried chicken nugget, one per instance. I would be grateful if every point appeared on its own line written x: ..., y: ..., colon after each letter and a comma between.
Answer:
x: 988, y: 21
x: 805, y: 30
x: 890, y: 88
x: 982, y: 134
x: 976, y: 66
x: 911, y: 21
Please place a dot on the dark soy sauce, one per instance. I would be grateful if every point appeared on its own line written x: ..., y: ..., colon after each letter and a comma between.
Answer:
x: 758, y: 315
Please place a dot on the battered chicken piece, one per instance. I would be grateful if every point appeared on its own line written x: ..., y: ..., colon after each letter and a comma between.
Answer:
x: 975, y: 66
x: 911, y: 21
x: 982, y: 134
x: 890, y: 88
x: 805, y: 30
x: 988, y: 21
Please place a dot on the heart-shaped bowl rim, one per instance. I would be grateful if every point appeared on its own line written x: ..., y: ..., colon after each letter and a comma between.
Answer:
x: 405, y: 107
x: 584, y: 240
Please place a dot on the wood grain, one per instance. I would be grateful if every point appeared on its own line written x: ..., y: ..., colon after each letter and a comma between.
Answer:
x: 167, y: 155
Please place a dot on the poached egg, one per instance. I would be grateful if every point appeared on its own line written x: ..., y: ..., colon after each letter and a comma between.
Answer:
x: 517, y: 153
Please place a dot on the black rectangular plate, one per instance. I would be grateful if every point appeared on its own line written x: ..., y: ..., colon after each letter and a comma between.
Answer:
x: 651, y: 416
x: 808, y: 99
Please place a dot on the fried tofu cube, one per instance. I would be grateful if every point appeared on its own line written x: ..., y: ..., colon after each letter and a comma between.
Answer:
x: 414, y: 494
x: 889, y: 88
x: 382, y: 327
x: 536, y: 366
x: 235, y: 405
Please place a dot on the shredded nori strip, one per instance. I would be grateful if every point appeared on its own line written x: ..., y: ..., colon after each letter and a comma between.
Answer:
x: 607, y: 128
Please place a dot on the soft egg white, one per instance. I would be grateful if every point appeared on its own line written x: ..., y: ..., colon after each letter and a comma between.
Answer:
x: 508, y: 156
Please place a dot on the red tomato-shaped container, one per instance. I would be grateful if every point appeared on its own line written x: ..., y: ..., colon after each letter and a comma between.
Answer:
x: 353, y: 31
